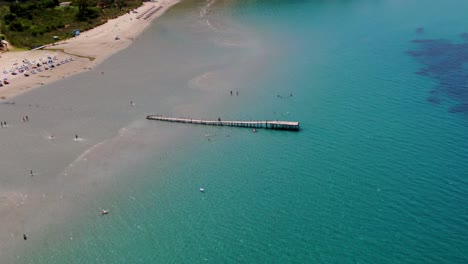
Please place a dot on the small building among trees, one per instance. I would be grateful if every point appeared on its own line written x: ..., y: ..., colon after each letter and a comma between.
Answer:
x: 65, y: 4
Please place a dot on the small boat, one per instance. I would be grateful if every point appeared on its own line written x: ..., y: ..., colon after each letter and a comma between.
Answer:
x: 104, y: 212
x: 202, y: 190
x: 254, y: 130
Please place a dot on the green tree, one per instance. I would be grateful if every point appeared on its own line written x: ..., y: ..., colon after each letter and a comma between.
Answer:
x: 120, y: 3
x: 82, y: 9
x: 82, y: 5
x: 17, y: 9
x: 10, y: 18
x: 16, y: 26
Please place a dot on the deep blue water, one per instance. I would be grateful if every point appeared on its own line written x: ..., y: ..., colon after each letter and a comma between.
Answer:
x: 445, y: 62
x: 377, y: 174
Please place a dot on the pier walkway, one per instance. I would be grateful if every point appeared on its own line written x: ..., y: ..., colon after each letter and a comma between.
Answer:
x: 279, y: 125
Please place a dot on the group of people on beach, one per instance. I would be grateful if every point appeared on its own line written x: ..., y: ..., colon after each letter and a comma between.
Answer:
x: 32, y: 67
x: 237, y: 92
x: 4, y: 123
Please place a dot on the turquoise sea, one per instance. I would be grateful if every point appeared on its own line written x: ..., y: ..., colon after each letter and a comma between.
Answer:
x: 377, y: 174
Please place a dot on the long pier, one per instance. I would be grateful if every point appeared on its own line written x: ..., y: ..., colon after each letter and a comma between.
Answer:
x: 268, y: 124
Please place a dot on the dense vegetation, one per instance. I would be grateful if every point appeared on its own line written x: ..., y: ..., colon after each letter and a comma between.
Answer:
x: 35, y: 22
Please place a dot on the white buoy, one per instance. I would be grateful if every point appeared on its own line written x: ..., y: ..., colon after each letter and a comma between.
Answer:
x: 202, y: 190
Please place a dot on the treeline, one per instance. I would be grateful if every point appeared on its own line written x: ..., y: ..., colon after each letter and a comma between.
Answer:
x: 34, y: 23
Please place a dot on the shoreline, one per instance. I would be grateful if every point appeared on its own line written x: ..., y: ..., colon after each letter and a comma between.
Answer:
x: 78, y: 54
x: 21, y: 200
x: 81, y: 173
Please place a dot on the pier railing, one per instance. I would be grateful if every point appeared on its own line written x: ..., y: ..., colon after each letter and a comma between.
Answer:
x: 268, y: 124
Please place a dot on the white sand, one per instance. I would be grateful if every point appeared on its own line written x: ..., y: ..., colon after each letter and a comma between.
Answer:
x: 87, y: 50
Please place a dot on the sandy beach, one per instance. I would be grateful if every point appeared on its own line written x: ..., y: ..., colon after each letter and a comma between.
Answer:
x: 77, y: 54
x: 43, y: 144
x: 81, y: 143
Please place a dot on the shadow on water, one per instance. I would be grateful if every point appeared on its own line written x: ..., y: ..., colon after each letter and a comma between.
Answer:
x: 447, y: 63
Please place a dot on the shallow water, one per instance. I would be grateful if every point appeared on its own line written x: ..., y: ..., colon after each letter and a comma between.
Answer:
x: 376, y: 175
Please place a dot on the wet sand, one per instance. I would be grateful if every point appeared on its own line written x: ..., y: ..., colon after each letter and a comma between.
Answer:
x: 177, y: 67
x: 68, y: 123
